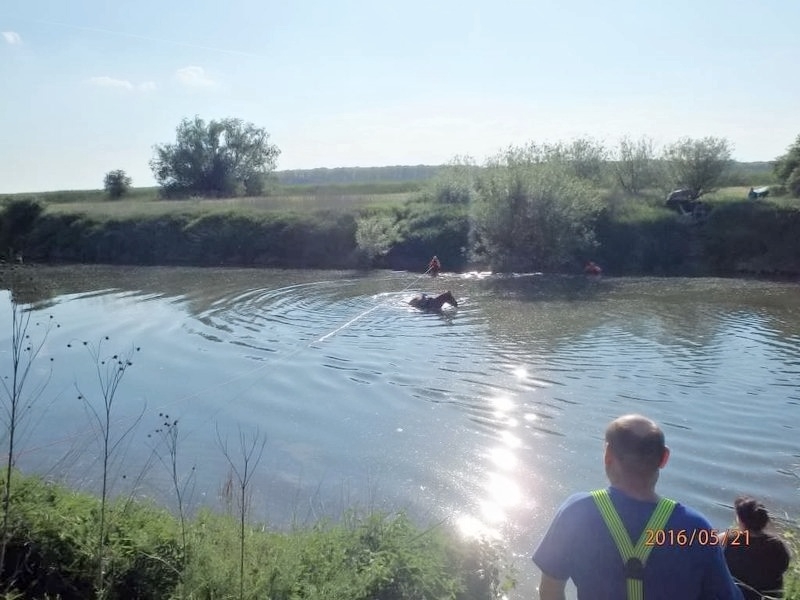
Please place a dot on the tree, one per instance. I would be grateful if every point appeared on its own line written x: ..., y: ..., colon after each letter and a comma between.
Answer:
x: 787, y: 168
x: 532, y: 215
x: 116, y: 183
x: 697, y: 164
x: 218, y: 158
x: 454, y: 183
x: 635, y: 166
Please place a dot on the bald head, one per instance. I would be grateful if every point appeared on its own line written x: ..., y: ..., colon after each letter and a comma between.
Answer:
x: 638, y: 445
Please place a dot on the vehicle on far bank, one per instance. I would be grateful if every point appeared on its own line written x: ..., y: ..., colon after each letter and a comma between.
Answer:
x: 759, y: 192
x: 683, y: 200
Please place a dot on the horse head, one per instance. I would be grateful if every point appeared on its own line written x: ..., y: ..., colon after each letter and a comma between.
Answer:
x: 449, y: 298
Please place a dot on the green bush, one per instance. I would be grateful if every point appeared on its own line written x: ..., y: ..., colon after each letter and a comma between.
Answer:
x: 52, y: 550
x: 426, y: 229
x: 16, y: 222
x: 532, y: 216
x: 635, y: 236
x: 754, y: 237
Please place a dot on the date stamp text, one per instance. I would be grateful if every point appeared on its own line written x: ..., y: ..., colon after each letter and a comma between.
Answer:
x: 696, y: 537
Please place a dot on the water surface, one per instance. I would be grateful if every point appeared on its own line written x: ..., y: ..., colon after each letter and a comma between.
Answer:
x: 486, y: 417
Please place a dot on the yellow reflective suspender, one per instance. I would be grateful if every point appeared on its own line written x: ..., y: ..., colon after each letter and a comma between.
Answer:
x: 634, y: 557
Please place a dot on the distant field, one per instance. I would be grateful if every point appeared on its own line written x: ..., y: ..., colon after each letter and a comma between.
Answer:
x: 136, y: 208
x: 284, y: 198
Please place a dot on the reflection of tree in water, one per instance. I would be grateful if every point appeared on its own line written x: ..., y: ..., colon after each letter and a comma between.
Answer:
x: 27, y: 286
x: 546, y: 311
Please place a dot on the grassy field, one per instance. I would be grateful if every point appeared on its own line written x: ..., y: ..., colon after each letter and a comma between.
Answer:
x: 127, y: 208
x: 146, y: 202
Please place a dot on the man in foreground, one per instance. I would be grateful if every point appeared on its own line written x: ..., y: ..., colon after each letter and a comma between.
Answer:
x: 626, y: 542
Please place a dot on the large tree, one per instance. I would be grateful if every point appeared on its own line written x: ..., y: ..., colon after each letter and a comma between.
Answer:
x: 787, y: 168
x: 698, y: 165
x: 219, y: 158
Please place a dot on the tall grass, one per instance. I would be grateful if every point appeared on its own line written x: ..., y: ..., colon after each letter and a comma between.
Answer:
x: 362, y: 556
x: 791, y: 579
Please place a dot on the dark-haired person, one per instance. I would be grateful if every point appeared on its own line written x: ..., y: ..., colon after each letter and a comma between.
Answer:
x: 757, y: 559
x: 627, y: 542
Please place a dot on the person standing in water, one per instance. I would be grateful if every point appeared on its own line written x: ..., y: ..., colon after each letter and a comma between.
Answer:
x: 434, y: 266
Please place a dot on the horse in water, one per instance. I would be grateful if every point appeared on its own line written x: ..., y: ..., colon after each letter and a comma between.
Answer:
x: 433, y: 303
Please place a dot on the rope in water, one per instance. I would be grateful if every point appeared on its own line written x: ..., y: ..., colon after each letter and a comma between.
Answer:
x: 235, y: 378
x: 275, y: 359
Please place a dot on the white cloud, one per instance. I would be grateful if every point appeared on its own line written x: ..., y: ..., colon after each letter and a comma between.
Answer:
x: 194, y: 77
x: 122, y: 84
x: 12, y: 37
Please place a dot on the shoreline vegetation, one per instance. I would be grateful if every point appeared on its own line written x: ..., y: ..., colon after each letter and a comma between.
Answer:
x: 503, y: 217
x: 150, y: 553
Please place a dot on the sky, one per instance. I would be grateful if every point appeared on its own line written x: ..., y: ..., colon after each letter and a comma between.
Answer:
x: 89, y: 86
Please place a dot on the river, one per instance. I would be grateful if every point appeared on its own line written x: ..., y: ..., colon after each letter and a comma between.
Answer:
x: 487, y: 416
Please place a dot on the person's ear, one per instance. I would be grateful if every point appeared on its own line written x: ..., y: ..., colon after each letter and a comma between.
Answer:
x: 606, y: 455
x: 664, y: 458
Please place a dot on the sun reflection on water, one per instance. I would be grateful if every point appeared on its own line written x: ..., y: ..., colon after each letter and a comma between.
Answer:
x: 499, y: 492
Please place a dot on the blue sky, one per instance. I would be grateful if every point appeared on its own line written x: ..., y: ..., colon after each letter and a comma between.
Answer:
x: 89, y: 86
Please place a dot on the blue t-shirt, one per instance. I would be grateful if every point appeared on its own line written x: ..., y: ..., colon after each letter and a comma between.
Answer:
x: 579, y: 546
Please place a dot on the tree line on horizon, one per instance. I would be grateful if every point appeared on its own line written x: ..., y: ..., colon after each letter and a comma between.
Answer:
x: 229, y: 157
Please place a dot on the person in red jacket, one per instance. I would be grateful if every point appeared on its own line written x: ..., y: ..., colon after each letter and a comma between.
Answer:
x: 434, y: 266
x: 592, y: 268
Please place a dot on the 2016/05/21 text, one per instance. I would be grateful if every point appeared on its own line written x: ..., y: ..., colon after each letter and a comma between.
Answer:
x: 701, y: 537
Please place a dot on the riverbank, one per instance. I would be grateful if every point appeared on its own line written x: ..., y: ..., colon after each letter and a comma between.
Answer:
x: 320, y: 229
x: 54, y: 547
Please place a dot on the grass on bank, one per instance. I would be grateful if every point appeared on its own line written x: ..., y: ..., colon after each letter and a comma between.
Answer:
x: 791, y: 581
x: 51, y: 553
x: 131, y: 208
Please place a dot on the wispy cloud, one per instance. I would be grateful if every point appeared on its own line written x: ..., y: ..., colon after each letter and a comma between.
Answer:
x: 194, y: 77
x: 122, y: 84
x: 12, y: 37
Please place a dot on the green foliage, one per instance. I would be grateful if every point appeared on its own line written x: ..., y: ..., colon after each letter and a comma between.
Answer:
x: 116, y: 184
x: 787, y: 168
x: 452, y: 184
x: 218, y: 158
x: 635, y: 167
x: 52, y: 550
x: 375, y: 235
x: 362, y: 557
x: 791, y: 579
x: 755, y: 237
x: 582, y: 158
x: 636, y: 236
x: 426, y: 229
x: 697, y: 164
x: 16, y: 222
x: 532, y: 214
